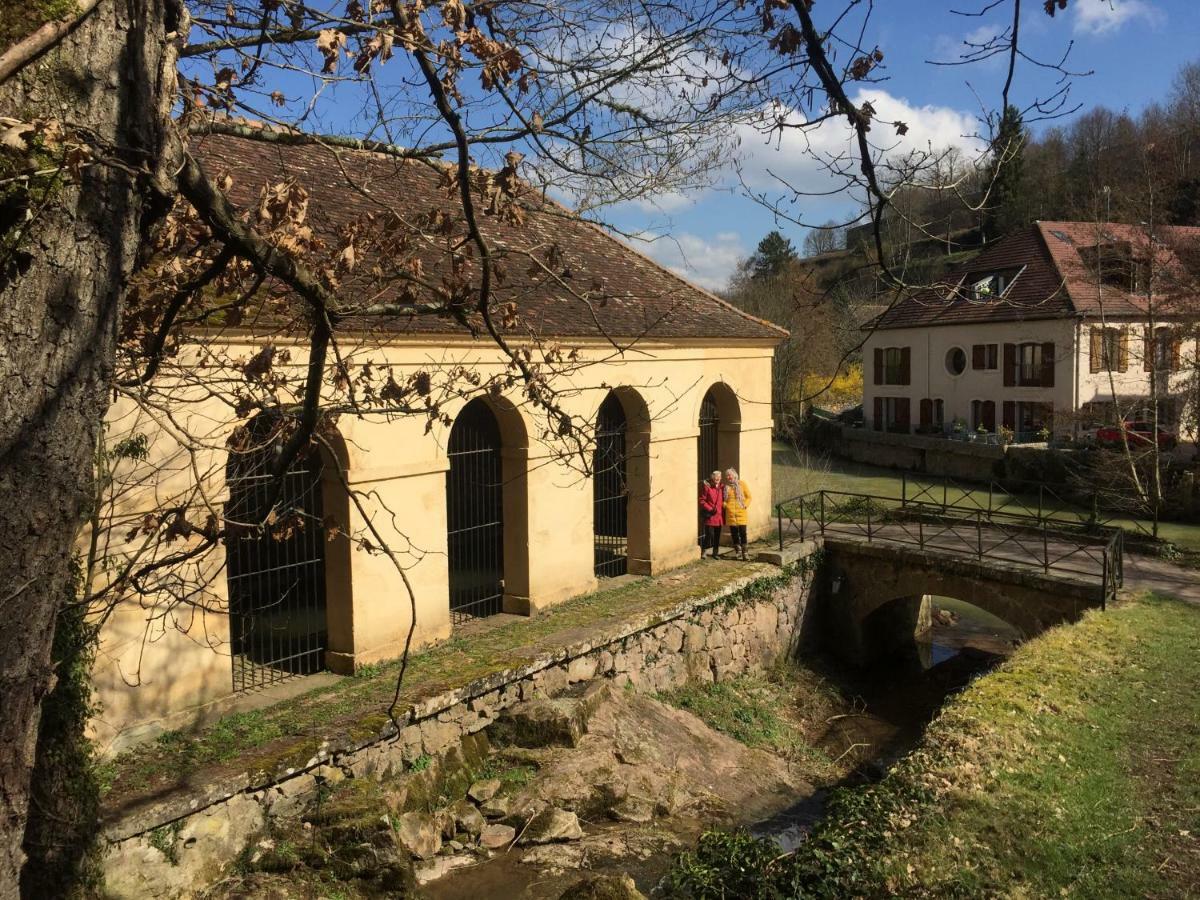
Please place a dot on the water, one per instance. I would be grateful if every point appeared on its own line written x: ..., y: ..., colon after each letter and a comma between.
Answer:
x: 895, y: 704
x: 892, y: 708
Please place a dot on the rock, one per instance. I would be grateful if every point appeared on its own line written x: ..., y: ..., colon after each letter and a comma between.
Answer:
x: 540, y: 722
x: 552, y: 826
x: 455, y: 846
x: 496, y: 808
x: 555, y: 857
x: 482, y: 791
x: 419, y: 834
x: 603, y: 887
x: 433, y: 869
x: 467, y: 818
x: 493, y: 837
x: 204, y: 846
x: 632, y: 809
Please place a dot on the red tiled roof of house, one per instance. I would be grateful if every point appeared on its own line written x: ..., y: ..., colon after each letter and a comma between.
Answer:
x: 600, y: 286
x: 1052, y: 277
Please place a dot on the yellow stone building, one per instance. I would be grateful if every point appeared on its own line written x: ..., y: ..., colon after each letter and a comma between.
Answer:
x: 488, y: 514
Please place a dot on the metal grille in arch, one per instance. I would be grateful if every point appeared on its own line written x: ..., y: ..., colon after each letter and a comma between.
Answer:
x: 475, y: 514
x: 275, y: 562
x: 707, y: 444
x: 610, y: 491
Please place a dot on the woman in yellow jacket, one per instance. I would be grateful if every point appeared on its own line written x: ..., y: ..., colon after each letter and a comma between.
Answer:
x: 737, y: 501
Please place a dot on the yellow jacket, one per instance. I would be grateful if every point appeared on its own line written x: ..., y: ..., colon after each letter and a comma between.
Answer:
x: 735, y: 513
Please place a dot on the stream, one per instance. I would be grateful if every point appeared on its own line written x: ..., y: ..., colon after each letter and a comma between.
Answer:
x: 892, y: 707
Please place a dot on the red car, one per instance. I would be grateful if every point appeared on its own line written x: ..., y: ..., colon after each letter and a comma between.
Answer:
x: 1138, y: 434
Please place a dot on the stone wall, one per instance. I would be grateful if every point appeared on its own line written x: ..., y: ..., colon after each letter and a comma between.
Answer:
x: 748, y: 624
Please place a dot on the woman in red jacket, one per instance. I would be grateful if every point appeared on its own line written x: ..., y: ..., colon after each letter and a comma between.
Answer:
x: 712, y: 513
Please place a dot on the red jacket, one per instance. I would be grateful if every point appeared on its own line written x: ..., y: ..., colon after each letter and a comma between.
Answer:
x: 712, y: 503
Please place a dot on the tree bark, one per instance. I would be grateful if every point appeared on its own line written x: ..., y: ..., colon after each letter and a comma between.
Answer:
x: 111, y: 78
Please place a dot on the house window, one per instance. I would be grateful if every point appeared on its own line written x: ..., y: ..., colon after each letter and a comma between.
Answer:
x: 956, y: 360
x: 1032, y: 418
x: 1109, y: 350
x: 1115, y: 264
x: 896, y: 414
x: 989, y: 285
x: 985, y: 357
x: 893, y: 363
x: 1029, y: 361
x: 983, y: 415
x: 1162, y: 350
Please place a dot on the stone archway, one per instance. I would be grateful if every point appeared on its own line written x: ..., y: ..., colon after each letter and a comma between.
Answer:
x: 621, y: 485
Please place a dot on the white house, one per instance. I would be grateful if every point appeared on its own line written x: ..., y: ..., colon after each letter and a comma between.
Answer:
x: 1059, y: 327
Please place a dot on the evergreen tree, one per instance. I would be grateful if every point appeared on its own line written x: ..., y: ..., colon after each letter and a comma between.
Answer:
x: 773, y: 253
x: 1006, y: 206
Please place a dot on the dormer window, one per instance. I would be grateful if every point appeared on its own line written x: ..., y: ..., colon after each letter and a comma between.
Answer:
x: 1114, y: 263
x: 982, y: 286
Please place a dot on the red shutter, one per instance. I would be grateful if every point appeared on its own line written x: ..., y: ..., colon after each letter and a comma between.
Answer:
x: 926, y: 412
x: 903, y: 420
x: 1010, y: 365
x: 1096, y: 351
x: 978, y: 357
x: 906, y: 365
x: 989, y: 415
x: 1010, y: 415
x: 878, y: 374
x: 1048, y: 364
x: 878, y: 412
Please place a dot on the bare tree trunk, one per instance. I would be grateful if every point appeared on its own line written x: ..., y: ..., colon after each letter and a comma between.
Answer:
x: 109, y: 79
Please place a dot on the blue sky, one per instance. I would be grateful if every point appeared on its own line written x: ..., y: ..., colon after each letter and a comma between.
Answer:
x: 1133, y: 47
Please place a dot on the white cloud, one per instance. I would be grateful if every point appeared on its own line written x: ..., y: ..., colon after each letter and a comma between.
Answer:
x: 801, y: 158
x: 707, y: 262
x: 1101, y: 17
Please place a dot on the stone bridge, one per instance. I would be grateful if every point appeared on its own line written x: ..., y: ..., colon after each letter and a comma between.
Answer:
x: 874, y: 592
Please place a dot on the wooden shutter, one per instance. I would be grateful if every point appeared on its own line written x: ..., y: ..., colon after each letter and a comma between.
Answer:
x: 878, y: 412
x: 906, y: 365
x: 1010, y: 415
x: 878, y: 375
x: 1048, y: 364
x: 978, y: 357
x: 1148, y: 350
x: 903, y: 413
x: 1123, y: 353
x: 926, y: 412
x: 1176, y: 349
x: 989, y: 415
x: 1010, y: 365
x: 1096, y: 351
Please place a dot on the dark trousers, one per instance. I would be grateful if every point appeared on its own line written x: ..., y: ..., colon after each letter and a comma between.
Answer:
x: 737, y: 535
x: 712, y: 538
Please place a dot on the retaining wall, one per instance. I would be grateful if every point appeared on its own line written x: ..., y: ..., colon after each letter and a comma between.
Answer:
x: 748, y: 624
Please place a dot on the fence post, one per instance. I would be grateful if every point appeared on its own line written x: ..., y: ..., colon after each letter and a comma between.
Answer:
x: 943, y: 497
x: 1041, y: 491
x: 1156, y: 520
x: 822, y: 513
x: 921, y: 531
x: 1045, y: 549
x: 990, y: 485
x: 779, y: 515
x: 868, y: 518
x: 1104, y: 583
x: 979, y: 534
x: 903, y: 489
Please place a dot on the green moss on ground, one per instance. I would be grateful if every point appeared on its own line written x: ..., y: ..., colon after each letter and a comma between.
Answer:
x: 289, y: 733
x: 1071, y: 770
x: 785, y: 711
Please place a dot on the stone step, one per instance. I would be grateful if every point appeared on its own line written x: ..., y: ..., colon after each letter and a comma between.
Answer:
x: 548, y: 721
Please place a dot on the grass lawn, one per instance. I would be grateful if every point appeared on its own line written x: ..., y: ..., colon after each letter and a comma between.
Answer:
x: 1071, y: 770
x: 798, y: 472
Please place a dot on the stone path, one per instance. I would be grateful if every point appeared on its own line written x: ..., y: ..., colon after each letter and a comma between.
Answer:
x: 1148, y: 573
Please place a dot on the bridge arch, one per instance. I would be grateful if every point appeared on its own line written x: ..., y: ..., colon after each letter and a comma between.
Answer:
x: 873, y: 594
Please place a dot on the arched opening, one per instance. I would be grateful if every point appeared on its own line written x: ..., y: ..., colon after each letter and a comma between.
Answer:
x: 475, y: 514
x: 718, y: 445
x: 610, y: 491
x: 932, y: 631
x: 275, y: 557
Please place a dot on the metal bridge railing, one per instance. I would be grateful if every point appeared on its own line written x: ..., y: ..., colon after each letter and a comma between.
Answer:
x: 999, y: 533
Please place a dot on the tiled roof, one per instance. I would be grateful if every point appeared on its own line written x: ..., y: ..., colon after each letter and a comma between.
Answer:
x: 623, y: 294
x: 1051, y: 279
